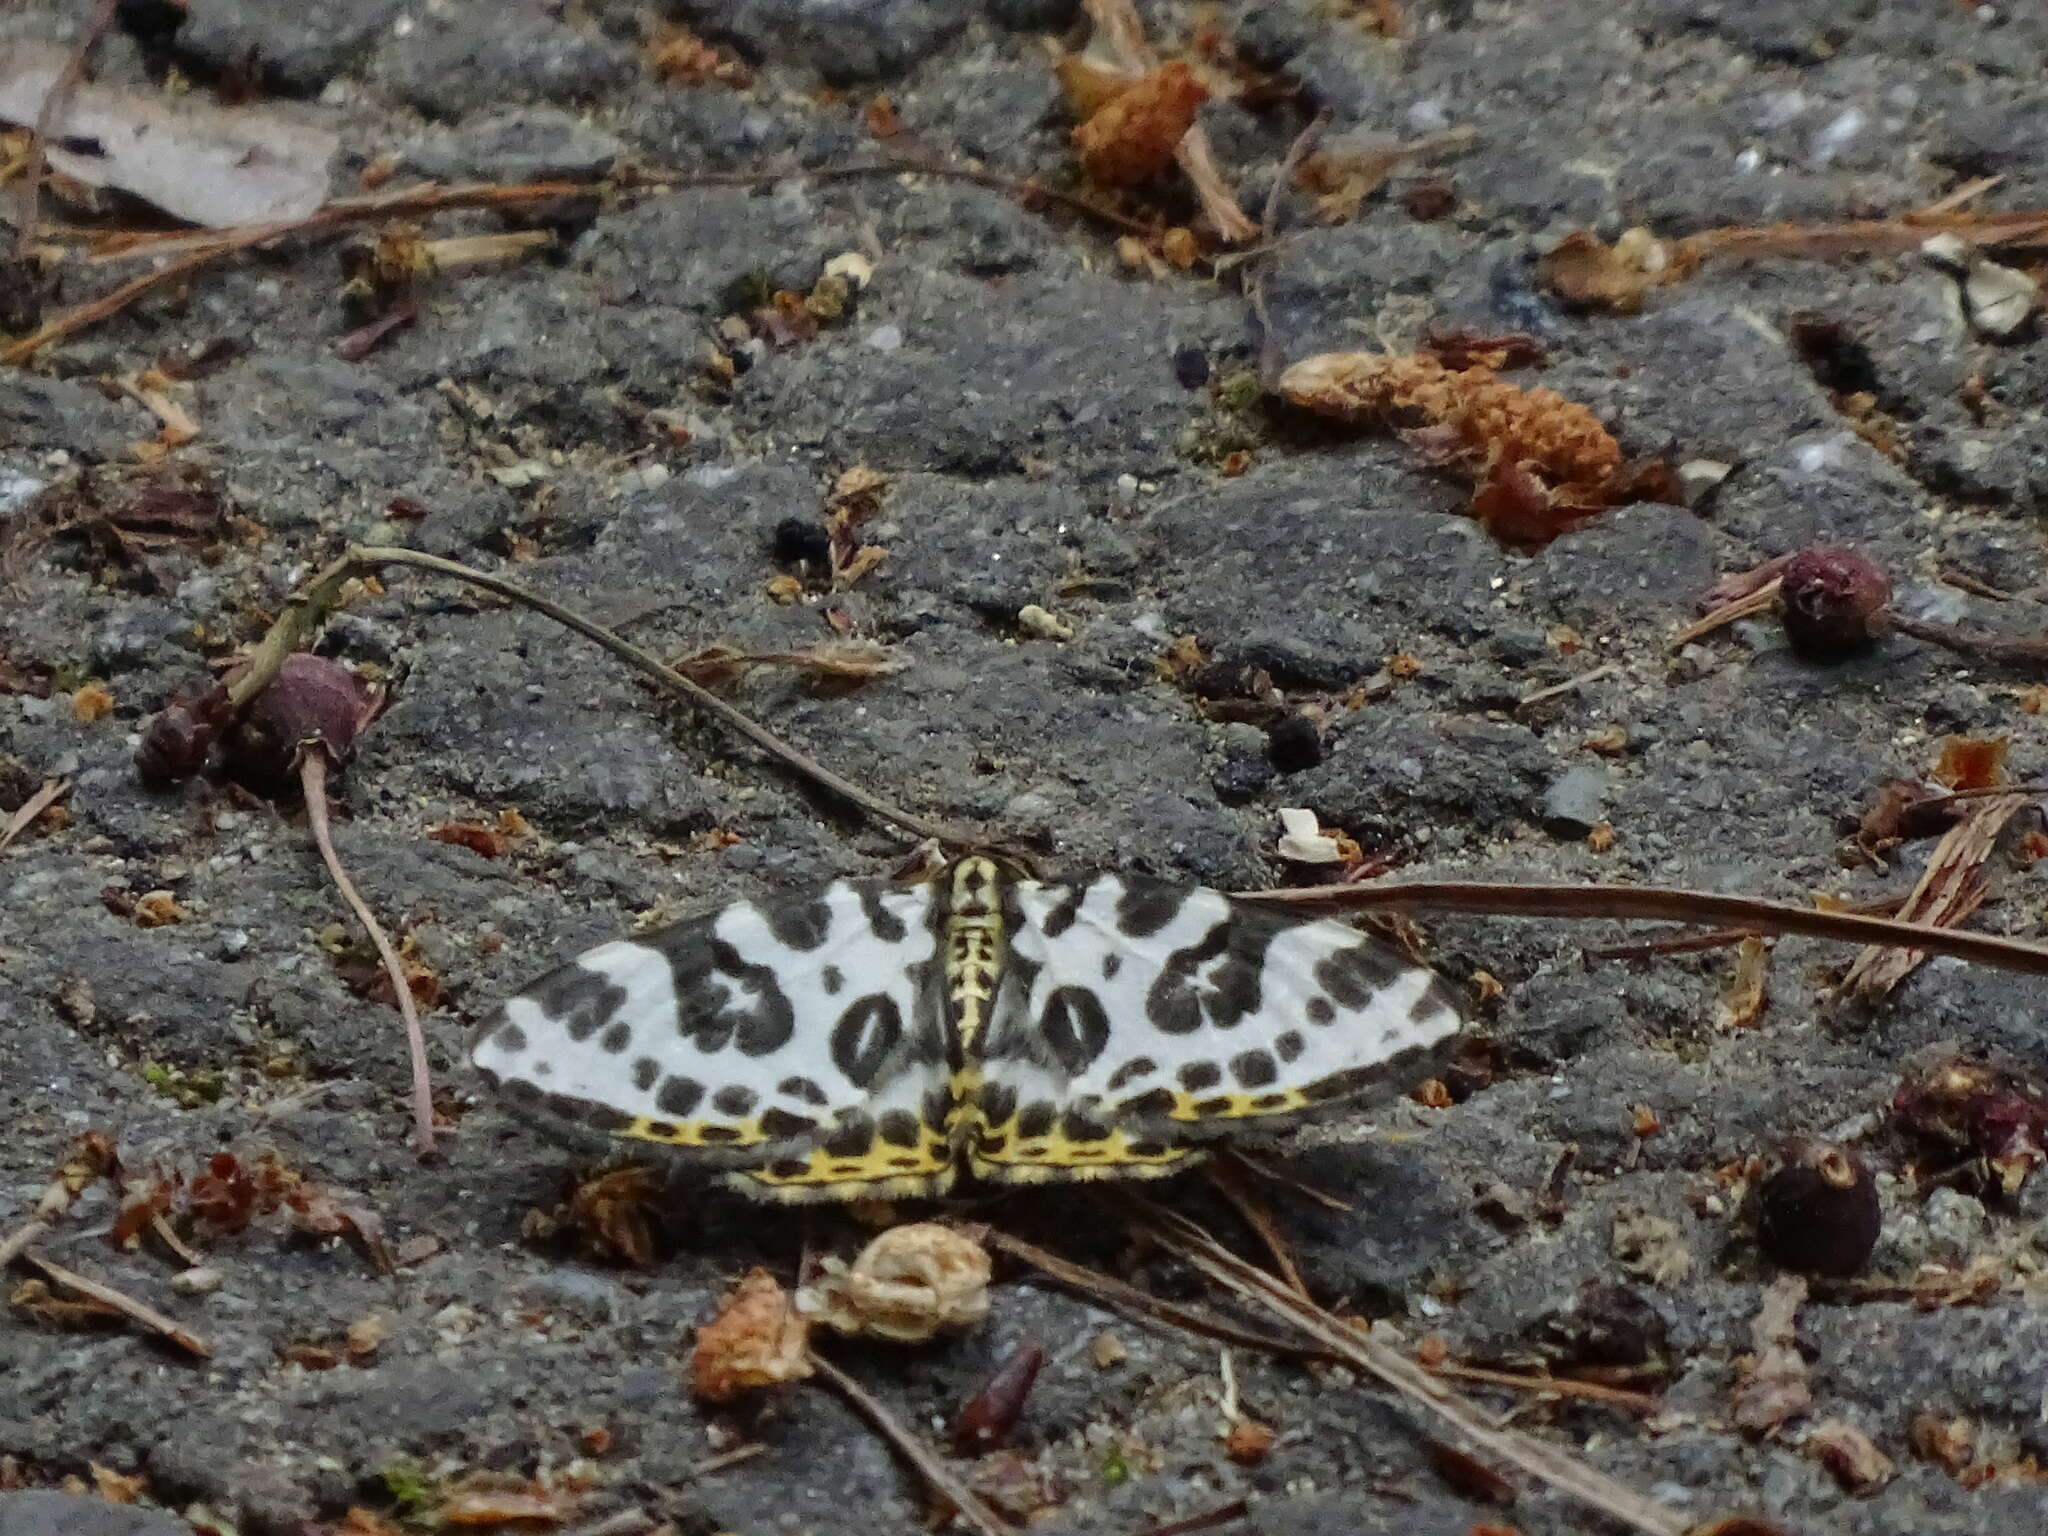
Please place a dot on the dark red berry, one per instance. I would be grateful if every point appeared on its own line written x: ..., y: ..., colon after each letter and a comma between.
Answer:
x: 1834, y: 602
x: 1819, y: 1213
x: 311, y: 702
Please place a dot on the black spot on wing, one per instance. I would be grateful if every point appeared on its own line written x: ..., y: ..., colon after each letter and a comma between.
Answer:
x: 998, y: 1102
x: 1321, y: 1010
x: 1111, y: 964
x: 1146, y: 906
x: 645, y: 1071
x: 1034, y: 1119
x: 581, y: 1001
x: 722, y: 999
x: 1155, y: 1101
x: 733, y: 1100
x: 801, y: 922
x: 1131, y: 1071
x: 1074, y: 1027
x: 1289, y: 1045
x: 832, y: 979
x: 898, y: 1127
x: 510, y: 1039
x: 801, y: 1088
x: 616, y: 1037
x: 1198, y: 1075
x: 1081, y: 1125
x: 1352, y: 976
x: 865, y: 1037
x: 679, y: 1096
x: 1254, y: 1069
x: 851, y: 1137
x: 886, y: 925
x: 781, y: 1125
x: 1219, y: 979
x: 1059, y: 917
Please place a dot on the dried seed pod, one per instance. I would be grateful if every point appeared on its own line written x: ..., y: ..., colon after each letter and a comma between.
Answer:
x: 179, y: 737
x: 1990, y: 1111
x: 311, y: 701
x: 757, y: 1340
x: 801, y: 541
x: 907, y: 1284
x: 1833, y: 602
x: 987, y: 1419
x: 1819, y: 1214
x: 1294, y: 743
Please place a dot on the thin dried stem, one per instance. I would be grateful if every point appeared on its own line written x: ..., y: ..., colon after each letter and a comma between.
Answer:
x: 46, y: 119
x: 931, y: 1466
x: 288, y: 634
x: 1652, y: 903
x: 313, y: 779
x: 121, y: 1302
x: 49, y: 794
x: 1363, y: 1352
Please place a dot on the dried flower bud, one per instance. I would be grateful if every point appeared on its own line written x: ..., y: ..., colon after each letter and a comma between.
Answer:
x: 1819, y: 1214
x: 906, y: 1285
x: 1834, y: 602
x: 987, y: 1419
x: 757, y: 1340
x: 179, y: 738
x: 1992, y: 1112
x: 311, y: 701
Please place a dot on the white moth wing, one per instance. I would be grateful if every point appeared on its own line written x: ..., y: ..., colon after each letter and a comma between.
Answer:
x: 809, y: 1024
x: 1181, y: 1009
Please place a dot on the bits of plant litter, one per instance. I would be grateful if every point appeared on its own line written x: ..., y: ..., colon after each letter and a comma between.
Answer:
x: 1991, y: 1112
x: 1819, y: 1213
x: 179, y: 738
x: 988, y: 1418
x: 311, y: 702
x: 1132, y: 137
x: 757, y: 1340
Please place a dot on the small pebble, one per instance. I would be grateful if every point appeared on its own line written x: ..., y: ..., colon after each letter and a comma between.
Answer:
x: 203, y: 1281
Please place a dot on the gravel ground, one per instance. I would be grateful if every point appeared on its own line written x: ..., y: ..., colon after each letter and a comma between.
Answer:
x: 1050, y: 441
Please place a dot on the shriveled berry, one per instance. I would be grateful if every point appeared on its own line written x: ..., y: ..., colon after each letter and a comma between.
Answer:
x: 1819, y: 1213
x: 801, y: 541
x: 988, y: 1419
x: 1190, y: 367
x: 179, y: 738
x: 1294, y: 743
x: 311, y: 702
x: 1833, y: 602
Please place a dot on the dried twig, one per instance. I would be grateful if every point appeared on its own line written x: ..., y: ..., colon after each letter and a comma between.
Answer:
x: 313, y: 779
x: 1652, y: 903
x: 51, y: 791
x: 1365, y: 1353
x: 931, y: 1466
x: 1557, y: 690
x: 126, y: 1305
x: 1272, y: 362
x: 1225, y: 1176
x: 1553, y: 1386
x: 1126, y: 1298
x: 46, y: 119
x: 293, y: 626
x: 1949, y: 890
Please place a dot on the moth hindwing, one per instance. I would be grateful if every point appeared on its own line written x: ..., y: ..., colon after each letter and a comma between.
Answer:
x: 879, y: 1039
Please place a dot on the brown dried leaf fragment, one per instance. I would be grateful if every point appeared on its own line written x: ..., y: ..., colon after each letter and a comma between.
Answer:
x: 1587, y: 273
x: 1748, y: 991
x: 1247, y: 1441
x: 1972, y: 762
x: 1857, y: 1464
x: 611, y: 1217
x: 757, y: 1340
x: 473, y: 835
x: 679, y: 57
x: 92, y: 703
x: 906, y: 1285
x: 844, y: 663
x: 1770, y: 1385
x: 1950, y: 1444
x: 1132, y: 137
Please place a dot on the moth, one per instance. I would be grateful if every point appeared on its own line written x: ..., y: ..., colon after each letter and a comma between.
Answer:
x: 878, y: 1039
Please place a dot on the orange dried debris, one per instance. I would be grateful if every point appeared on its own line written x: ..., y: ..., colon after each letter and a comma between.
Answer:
x: 1542, y: 464
x: 157, y: 909
x: 92, y: 702
x: 680, y: 57
x: 757, y: 1340
x: 1587, y: 273
x: 1131, y: 137
x: 2034, y: 699
x: 1247, y: 1441
x: 881, y: 118
x: 1971, y: 762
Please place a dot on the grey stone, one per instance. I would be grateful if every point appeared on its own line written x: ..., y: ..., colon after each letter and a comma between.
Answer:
x: 297, y: 46
x: 1576, y: 801
x: 450, y: 66
x: 38, y: 1512
x: 526, y: 144
x: 844, y: 42
x: 39, y: 414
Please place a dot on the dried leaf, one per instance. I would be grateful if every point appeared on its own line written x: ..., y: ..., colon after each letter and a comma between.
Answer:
x: 1858, y: 1465
x: 1748, y: 990
x: 473, y: 835
x: 1247, y: 1441
x: 92, y: 702
x: 1589, y: 274
x: 197, y: 161
x: 1770, y: 1384
x: 757, y: 1340
x: 1971, y: 762
x: 1132, y: 137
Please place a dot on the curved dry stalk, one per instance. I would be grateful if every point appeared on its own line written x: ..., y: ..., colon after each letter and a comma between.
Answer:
x: 1656, y: 903
x: 967, y: 1504
x: 313, y: 779
x: 297, y: 622
x: 1377, y: 1358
